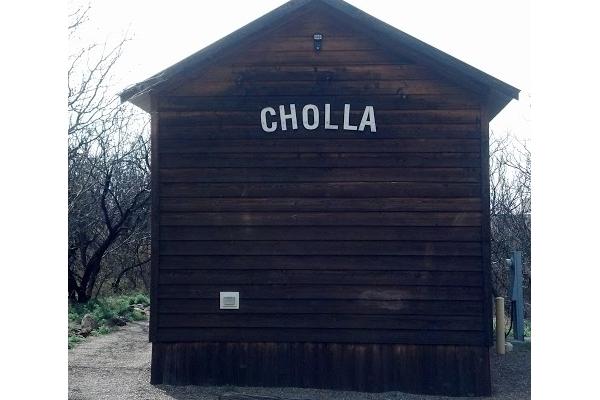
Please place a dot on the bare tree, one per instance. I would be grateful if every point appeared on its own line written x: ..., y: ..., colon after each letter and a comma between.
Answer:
x: 108, y: 161
x: 510, y: 208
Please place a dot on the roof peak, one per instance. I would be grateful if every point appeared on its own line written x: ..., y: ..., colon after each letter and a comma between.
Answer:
x: 500, y: 92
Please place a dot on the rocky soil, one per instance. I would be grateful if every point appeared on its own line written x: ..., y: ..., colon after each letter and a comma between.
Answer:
x: 117, y: 366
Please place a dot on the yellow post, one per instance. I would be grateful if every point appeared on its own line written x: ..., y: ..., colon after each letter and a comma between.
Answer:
x: 500, y: 344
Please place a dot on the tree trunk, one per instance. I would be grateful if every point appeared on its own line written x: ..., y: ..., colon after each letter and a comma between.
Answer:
x: 82, y: 296
x: 94, y: 268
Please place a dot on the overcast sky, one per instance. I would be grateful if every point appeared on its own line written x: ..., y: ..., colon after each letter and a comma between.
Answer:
x: 492, y: 36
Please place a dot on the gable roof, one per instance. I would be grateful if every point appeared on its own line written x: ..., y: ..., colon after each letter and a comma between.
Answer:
x: 499, y: 92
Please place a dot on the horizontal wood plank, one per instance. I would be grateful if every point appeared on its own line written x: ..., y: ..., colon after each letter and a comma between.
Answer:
x: 320, y: 189
x: 195, y: 204
x: 169, y: 319
x: 312, y: 58
x: 355, y: 262
x: 450, y: 219
x: 306, y: 43
x: 328, y: 335
x: 308, y: 174
x: 318, y: 247
x: 319, y: 160
x: 254, y: 233
x: 253, y: 131
x: 255, y: 103
x: 373, y: 299
x: 321, y: 146
x: 325, y: 87
x: 278, y: 277
x: 308, y: 73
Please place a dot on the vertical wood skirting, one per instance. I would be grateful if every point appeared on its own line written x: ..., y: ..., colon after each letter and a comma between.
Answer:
x: 157, y: 369
x: 154, y: 218
x: 440, y: 370
x: 485, y: 226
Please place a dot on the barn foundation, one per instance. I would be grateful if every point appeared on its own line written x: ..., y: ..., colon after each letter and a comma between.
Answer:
x: 429, y: 369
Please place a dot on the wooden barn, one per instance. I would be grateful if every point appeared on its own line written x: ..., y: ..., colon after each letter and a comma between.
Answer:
x: 320, y: 208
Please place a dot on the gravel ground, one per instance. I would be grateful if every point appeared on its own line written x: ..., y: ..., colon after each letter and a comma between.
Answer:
x: 117, y: 366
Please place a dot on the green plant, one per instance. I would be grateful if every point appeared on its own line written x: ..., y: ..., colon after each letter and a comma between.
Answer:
x: 137, y: 316
x: 527, y: 328
x: 140, y: 298
x: 119, y: 305
x: 74, y: 339
x: 103, y: 330
x: 104, y: 310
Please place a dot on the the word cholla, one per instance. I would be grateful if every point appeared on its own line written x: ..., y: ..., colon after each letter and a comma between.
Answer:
x: 283, y: 119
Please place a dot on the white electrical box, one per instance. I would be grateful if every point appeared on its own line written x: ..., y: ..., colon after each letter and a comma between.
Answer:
x: 230, y: 300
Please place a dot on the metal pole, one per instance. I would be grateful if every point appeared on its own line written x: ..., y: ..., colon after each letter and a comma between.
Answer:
x: 500, y: 346
x: 517, y: 297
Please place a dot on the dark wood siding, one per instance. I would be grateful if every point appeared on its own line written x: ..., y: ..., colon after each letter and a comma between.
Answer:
x: 361, y: 258
x: 329, y: 236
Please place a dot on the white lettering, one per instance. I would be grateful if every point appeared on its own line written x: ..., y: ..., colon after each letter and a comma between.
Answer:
x: 328, y: 124
x: 263, y: 119
x: 368, y: 118
x: 347, y: 125
x: 311, y: 118
x: 291, y: 116
x: 315, y: 112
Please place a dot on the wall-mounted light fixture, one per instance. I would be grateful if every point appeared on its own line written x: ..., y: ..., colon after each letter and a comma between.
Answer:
x: 318, y: 39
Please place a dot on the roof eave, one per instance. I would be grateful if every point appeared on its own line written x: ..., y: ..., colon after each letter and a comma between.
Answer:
x: 497, y: 101
x: 427, y: 50
x: 211, y: 50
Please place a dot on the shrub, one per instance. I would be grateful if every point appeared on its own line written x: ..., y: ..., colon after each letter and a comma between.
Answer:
x: 141, y: 298
x: 137, y: 316
x: 104, y: 310
x: 103, y: 330
x: 74, y: 339
x: 119, y: 305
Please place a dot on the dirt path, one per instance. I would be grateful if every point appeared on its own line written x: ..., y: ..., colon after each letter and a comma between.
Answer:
x: 117, y: 366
